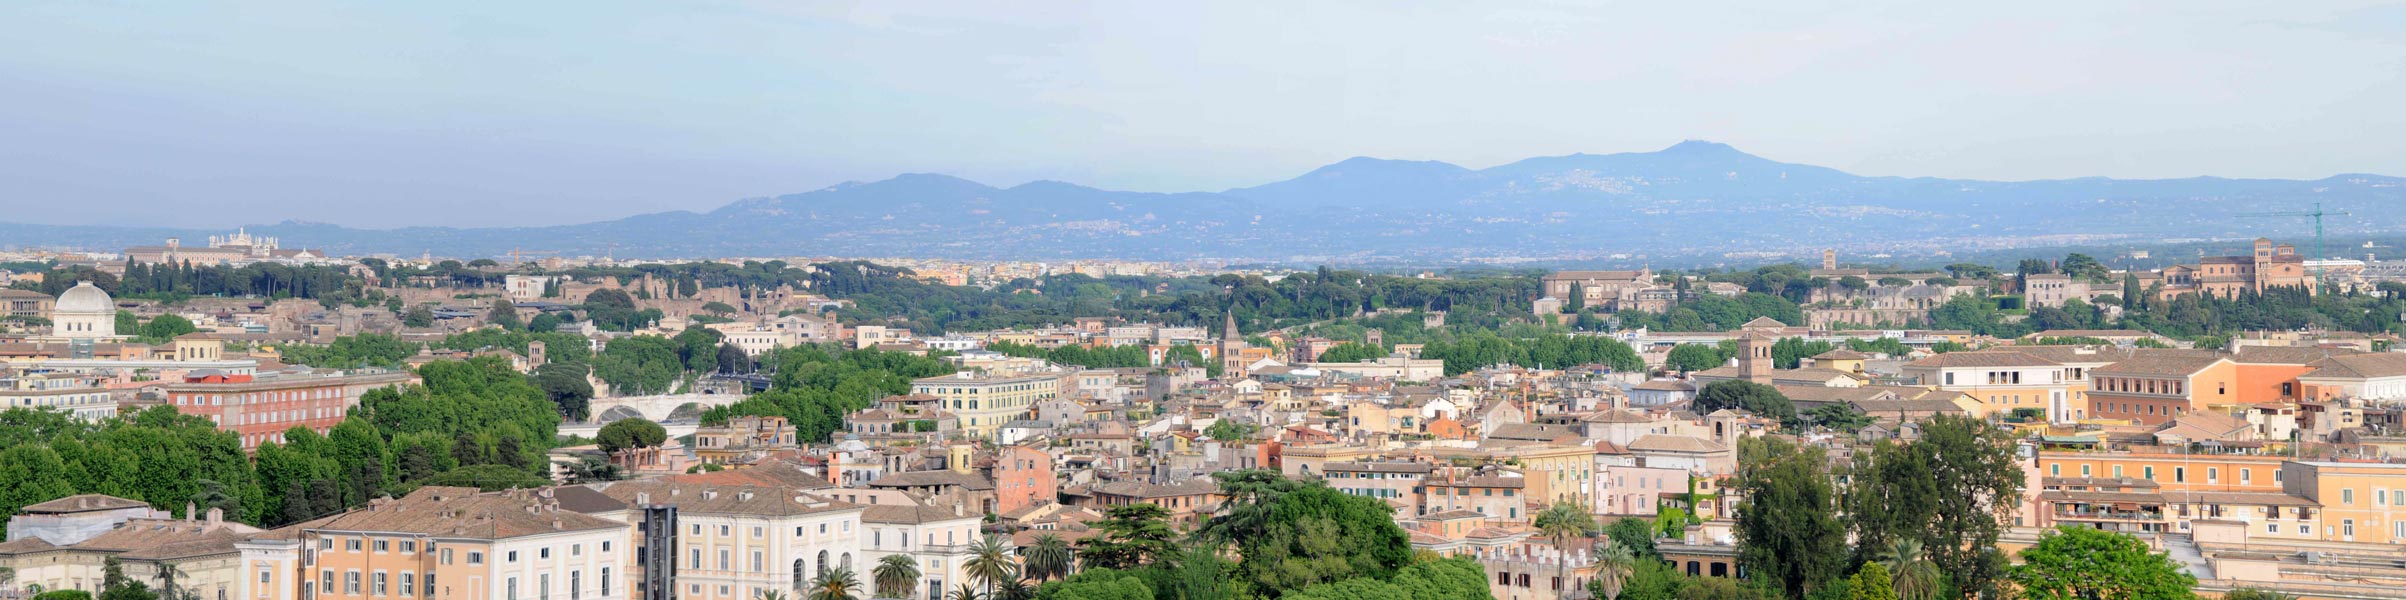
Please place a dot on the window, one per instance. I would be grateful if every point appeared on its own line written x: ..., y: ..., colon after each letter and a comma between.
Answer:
x: 605, y: 581
x: 2180, y: 474
x: 351, y: 544
x: 757, y: 566
x: 697, y: 529
x: 605, y: 548
x: 2055, y: 470
x: 2347, y: 495
x: 476, y: 558
x: 2148, y: 471
x: 408, y: 584
x: 543, y: 586
x: 756, y: 532
x: 2213, y: 474
x: 429, y: 585
x: 408, y: 547
x: 2246, y: 475
x: 2117, y: 471
x: 351, y: 583
x: 2270, y: 527
x: 510, y: 557
x: 542, y: 553
x: 2347, y: 528
x: 384, y: 546
x: 2084, y: 471
x: 511, y: 585
x: 325, y: 582
x: 446, y: 556
x: 376, y: 583
x: 576, y: 549
x: 576, y: 584
x: 697, y: 558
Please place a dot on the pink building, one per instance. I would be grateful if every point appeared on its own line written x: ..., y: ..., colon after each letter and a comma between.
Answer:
x: 1636, y: 491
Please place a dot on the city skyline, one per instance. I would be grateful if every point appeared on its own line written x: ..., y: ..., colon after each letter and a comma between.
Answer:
x: 523, y: 115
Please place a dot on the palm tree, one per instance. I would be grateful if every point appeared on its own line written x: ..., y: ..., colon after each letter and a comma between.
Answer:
x: 990, y: 562
x: 965, y: 592
x: 1911, y: 572
x: 834, y: 584
x: 1562, y: 523
x: 1613, y: 567
x: 896, y: 575
x: 768, y: 594
x: 1047, y: 559
x: 1016, y: 589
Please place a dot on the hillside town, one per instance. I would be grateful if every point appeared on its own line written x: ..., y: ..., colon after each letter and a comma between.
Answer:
x: 242, y: 421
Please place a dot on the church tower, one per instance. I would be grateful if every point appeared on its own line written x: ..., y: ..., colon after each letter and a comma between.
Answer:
x: 1232, y: 345
x: 1754, y: 359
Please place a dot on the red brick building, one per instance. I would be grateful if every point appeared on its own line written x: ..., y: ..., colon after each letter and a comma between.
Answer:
x: 261, y: 407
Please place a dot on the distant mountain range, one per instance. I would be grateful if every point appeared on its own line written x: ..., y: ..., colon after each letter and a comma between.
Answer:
x: 1694, y: 199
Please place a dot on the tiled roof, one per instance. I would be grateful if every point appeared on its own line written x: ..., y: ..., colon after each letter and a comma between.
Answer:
x: 2162, y: 362
x: 1841, y: 354
x: 1674, y: 443
x: 1139, y: 489
x: 971, y: 481
x: 464, y: 513
x: 81, y: 503
x: 2360, y: 366
x: 913, y: 514
x: 1983, y: 358
x: 2286, y: 355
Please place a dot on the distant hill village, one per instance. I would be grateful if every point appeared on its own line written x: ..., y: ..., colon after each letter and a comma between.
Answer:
x: 2270, y: 460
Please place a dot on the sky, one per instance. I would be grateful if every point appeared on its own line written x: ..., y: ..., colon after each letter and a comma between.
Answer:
x: 387, y: 114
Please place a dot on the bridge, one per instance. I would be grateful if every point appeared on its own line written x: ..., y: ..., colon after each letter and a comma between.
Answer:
x: 660, y: 408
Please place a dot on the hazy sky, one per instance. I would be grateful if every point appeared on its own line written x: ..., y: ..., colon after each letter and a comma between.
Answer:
x: 382, y: 114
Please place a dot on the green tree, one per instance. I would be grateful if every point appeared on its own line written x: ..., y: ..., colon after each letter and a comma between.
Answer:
x: 1048, y: 558
x: 896, y: 574
x: 543, y: 323
x: 1950, y: 491
x: 565, y: 384
x: 167, y: 327
x: 2070, y: 563
x: 1744, y: 395
x: 1636, y: 534
x: 1871, y: 583
x: 626, y: 434
x: 1686, y: 358
x: 990, y: 562
x: 1788, y: 530
x: 1913, y: 576
x: 31, y: 473
x: 835, y: 584
x: 1227, y: 430
x: 504, y: 315
x: 419, y: 316
x: 639, y: 365
x: 1613, y: 567
x: 489, y: 478
x: 2249, y: 593
x: 1131, y: 535
x: 1097, y: 584
x: 1350, y: 352
x: 1564, y: 523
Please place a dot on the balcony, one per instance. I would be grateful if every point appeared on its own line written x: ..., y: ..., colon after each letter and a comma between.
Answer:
x: 2109, y: 515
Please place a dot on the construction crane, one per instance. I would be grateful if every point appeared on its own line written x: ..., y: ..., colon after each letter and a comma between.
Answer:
x: 2320, y: 256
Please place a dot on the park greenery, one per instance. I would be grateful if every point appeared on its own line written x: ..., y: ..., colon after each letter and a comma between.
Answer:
x: 476, y: 413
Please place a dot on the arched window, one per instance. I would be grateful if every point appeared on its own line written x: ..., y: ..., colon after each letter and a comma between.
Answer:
x: 801, y: 574
x: 847, y: 561
x: 822, y: 561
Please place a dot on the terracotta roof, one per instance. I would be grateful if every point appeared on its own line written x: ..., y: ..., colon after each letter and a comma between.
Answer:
x: 81, y: 503
x: 913, y: 514
x: 1139, y: 489
x: 1983, y: 358
x: 1669, y: 385
x: 1674, y: 443
x: 1841, y: 354
x: 2286, y: 355
x: 1379, y: 467
x: 464, y: 513
x: 970, y: 481
x: 1452, y: 514
x: 158, y: 539
x: 2360, y: 366
x: 2162, y: 362
x: 1615, y: 416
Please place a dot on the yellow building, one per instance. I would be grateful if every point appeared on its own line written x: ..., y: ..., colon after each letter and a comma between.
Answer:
x: 983, y: 402
x: 2002, y: 381
x: 2361, y: 502
x: 1556, y: 473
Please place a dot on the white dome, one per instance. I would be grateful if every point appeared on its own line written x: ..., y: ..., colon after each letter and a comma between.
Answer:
x: 84, y: 299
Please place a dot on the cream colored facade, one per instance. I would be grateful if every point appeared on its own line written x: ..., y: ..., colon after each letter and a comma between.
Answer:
x: 984, y: 403
x: 737, y: 541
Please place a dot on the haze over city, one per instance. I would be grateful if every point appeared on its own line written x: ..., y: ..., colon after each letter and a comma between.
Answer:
x: 487, y: 114
x: 1304, y: 300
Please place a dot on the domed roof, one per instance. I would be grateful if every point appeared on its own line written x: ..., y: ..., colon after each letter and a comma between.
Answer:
x: 84, y: 298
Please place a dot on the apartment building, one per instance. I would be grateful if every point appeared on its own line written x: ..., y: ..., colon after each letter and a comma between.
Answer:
x: 2155, y: 387
x: 735, y: 541
x: 939, y: 538
x: 1393, y: 481
x: 984, y: 402
x: 79, y: 395
x: 444, y: 542
x: 2001, y: 381
x: 261, y: 407
x: 2361, y: 502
